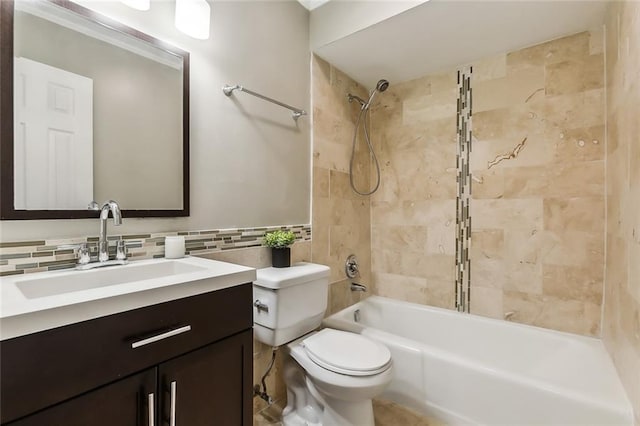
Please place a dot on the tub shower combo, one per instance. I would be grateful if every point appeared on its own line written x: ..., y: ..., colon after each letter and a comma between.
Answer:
x: 468, y: 369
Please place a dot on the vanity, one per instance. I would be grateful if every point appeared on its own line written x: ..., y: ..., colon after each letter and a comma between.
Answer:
x: 154, y: 342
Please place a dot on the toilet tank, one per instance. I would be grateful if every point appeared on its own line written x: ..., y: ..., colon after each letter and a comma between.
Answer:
x: 289, y: 302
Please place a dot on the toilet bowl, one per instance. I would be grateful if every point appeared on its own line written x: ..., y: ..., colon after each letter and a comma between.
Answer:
x: 331, y: 375
x: 331, y: 378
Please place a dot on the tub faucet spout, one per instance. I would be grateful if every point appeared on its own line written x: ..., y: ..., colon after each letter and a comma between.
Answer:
x: 358, y: 287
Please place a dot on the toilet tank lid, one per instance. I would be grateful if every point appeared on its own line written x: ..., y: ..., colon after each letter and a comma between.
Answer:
x: 297, y: 273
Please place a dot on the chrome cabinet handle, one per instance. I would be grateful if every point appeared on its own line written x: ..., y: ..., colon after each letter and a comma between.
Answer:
x: 261, y: 306
x: 151, y: 409
x: 160, y: 336
x: 172, y: 409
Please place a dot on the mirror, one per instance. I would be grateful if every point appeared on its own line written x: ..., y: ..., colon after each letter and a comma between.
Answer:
x: 91, y: 110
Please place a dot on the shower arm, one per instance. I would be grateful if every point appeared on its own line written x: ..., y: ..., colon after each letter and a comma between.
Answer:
x: 361, y: 101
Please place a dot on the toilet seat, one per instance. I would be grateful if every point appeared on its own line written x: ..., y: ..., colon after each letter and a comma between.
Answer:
x: 347, y: 353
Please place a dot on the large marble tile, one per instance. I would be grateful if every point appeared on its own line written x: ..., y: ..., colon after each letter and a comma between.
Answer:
x: 559, y: 50
x: 513, y: 89
x: 400, y: 237
x: 507, y: 214
x: 550, y: 312
x: 574, y: 76
x: 578, y: 214
x: 490, y: 68
x: 584, y: 179
x: 401, y: 287
x: 579, y: 144
x: 388, y: 413
x: 487, y: 244
x: 320, y: 182
x: 583, y: 283
x: 437, y: 105
x: 332, y: 127
x: 486, y: 302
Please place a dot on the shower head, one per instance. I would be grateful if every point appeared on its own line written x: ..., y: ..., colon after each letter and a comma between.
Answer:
x: 381, y: 86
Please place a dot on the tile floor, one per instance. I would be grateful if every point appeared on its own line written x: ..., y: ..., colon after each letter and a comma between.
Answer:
x: 386, y: 413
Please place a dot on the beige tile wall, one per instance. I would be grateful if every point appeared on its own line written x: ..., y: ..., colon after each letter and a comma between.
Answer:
x: 538, y: 163
x: 340, y: 217
x: 413, y: 214
x: 537, y: 215
x: 621, y: 319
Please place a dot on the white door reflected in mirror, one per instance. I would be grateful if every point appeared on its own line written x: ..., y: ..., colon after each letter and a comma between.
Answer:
x: 53, y: 137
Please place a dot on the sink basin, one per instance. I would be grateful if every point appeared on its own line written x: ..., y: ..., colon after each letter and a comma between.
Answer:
x: 44, y: 300
x: 84, y: 280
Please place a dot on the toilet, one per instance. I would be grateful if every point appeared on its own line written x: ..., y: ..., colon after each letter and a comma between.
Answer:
x: 331, y: 375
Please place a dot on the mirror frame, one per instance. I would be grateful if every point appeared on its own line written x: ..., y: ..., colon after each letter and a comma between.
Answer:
x: 7, y: 206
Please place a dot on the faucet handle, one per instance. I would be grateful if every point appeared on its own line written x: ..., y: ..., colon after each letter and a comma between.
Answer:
x: 80, y: 250
x: 93, y: 206
x: 103, y: 251
x: 351, y: 266
x: 84, y: 255
x: 121, y: 250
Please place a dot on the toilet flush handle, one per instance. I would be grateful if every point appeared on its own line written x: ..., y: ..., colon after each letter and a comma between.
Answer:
x: 261, y: 306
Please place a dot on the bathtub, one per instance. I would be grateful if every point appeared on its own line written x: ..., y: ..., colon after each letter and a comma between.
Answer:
x: 467, y: 369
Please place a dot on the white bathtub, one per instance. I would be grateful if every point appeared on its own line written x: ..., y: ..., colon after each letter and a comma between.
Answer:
x: 466, y: 369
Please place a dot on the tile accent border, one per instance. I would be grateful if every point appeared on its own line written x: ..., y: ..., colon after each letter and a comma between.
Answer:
x: 463, y: 214
x: 46, y: 255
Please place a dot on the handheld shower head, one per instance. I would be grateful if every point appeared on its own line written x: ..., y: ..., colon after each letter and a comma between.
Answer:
x: 381, y: 86
x: 363, y: 119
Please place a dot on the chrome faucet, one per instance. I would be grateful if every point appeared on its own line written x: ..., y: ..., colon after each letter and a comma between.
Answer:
x: 358, y: 287
x: 103, y: 243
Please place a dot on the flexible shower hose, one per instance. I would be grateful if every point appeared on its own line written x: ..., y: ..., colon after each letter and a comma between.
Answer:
x: 363, y: 113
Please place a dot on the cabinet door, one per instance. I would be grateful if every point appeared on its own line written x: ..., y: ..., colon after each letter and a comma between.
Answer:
x: 210, y: 386
x: 122, y: 403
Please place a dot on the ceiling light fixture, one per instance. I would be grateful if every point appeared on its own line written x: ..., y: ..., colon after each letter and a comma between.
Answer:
x: 193, y: 17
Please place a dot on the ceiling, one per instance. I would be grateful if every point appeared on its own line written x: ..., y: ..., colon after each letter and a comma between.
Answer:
x: 441, y: 34
x: 312, y: 4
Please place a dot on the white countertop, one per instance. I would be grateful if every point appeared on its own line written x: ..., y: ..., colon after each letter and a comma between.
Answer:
x: 20, y: 315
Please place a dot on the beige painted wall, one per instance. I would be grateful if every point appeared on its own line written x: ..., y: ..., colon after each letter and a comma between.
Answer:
x: 621, y: 319
x: 537, y: 219
x: 340, y: 217
x: 250, y: 162
x: 137, y: 110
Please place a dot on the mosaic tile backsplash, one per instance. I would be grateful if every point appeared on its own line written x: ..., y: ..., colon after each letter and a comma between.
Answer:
x: 46, y: 255
x: 464, y: 131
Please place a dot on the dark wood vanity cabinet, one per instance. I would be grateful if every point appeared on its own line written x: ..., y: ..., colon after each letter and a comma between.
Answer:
x: 121, y: 403
x: 89, y: 373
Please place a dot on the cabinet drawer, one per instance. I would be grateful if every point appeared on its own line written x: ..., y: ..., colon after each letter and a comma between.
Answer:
x: 44, y: 368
